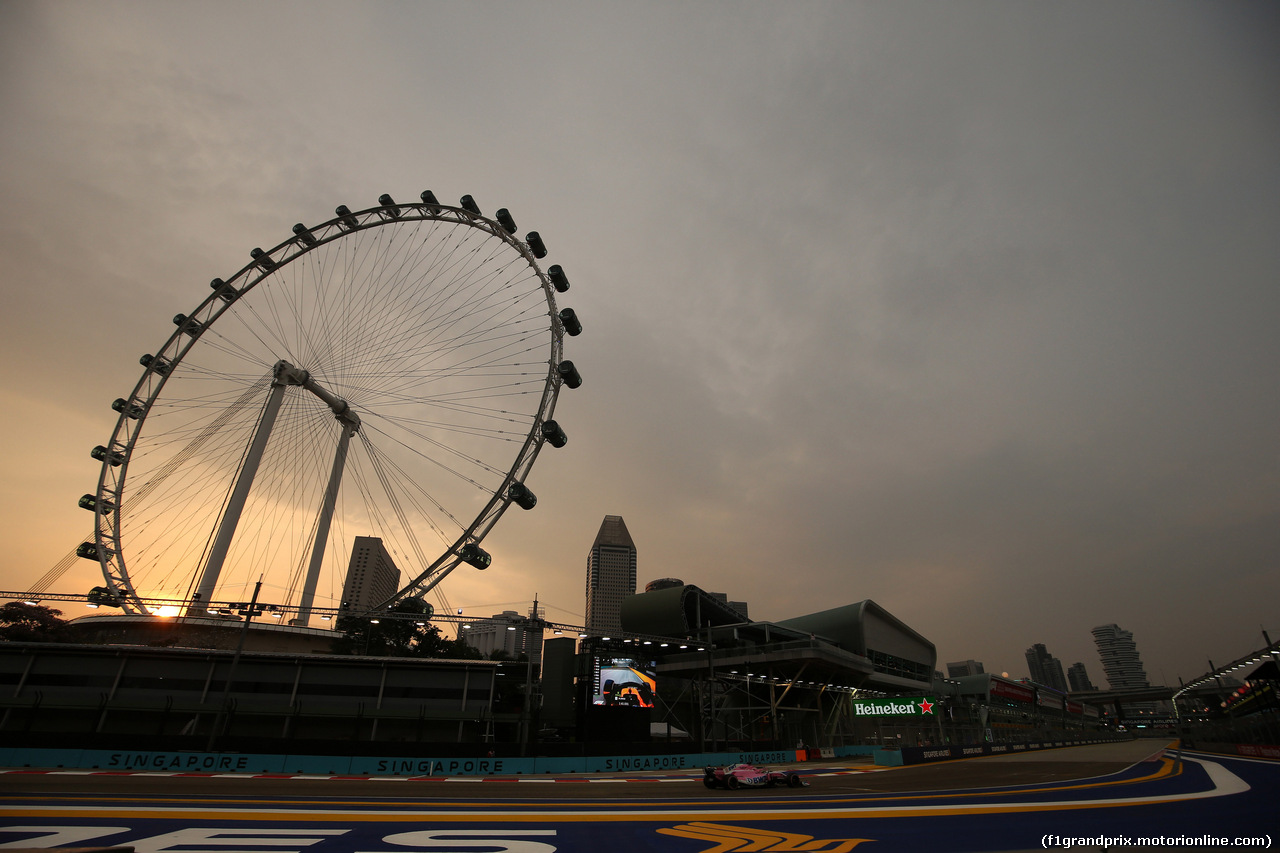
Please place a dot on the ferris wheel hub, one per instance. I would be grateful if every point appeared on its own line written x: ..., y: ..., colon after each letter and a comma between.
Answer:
x: 285, y: 373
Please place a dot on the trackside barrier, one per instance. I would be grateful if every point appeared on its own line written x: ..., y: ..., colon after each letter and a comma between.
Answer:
x: 322, y: 765
x: 810, y: 754
x: 898, y: 756
x: 1249, y: 750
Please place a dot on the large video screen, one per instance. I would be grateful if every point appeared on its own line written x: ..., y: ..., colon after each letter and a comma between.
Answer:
x: 624, y: 682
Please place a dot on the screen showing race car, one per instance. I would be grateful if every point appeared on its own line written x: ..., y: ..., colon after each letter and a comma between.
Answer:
x: 623, y: 682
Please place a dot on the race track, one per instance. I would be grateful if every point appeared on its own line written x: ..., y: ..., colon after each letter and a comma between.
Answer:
x: 1104, y: 793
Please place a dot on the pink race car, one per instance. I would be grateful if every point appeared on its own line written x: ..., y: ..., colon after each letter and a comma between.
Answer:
x: 736, y: 776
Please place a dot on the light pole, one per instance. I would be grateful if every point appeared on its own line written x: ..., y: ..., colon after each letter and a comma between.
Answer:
x: 248, y: 614
x: 534, y: 623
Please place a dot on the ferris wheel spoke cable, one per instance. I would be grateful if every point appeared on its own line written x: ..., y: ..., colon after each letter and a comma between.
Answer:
x: 494, y: 433
x: 371, y: 323
x: 414, y: 541
x: 390, y: 329
x: 451, y: 451
x: 506, y: 347
x: 181, y: 496
x: 398, y: 509
x: 62, y: 566
x: 384, y: 462
x: 484, y: 314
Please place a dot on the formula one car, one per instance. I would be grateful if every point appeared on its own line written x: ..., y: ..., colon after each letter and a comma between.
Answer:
x: 736, y: 776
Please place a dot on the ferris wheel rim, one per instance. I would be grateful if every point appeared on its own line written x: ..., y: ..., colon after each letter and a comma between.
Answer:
x: 112, y: 490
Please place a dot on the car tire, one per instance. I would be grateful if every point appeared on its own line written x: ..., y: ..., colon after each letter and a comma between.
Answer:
x: 731, y: 782
x: 794, y: 781
x: 709, y: 781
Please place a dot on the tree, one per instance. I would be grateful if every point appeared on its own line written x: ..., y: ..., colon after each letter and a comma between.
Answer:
x: 399, y: 634
x: 433, y: 644
x: 392, y: 633
x: 31, y: 623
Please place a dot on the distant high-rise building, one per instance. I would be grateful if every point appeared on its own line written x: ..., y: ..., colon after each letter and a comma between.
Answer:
x: 1079, y: 679
x: 611, y: 575
x: 372, y: 576
x: 961, y: 668
x: 740, y: 606
x: 1120, y: 658
x: 1045, y: 668
x: 508, y: 632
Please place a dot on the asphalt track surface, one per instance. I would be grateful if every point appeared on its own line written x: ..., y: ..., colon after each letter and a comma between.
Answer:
x: 1007, y: 802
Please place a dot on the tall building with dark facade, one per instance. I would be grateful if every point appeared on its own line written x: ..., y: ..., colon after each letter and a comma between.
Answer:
x: 1079, y: 679
x: 372, y: 576
x: 1120, y: 659
x: 611, y: 575
x: 1045, y: 668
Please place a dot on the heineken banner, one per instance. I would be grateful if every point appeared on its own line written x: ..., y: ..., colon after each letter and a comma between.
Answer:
x: 900, y: 706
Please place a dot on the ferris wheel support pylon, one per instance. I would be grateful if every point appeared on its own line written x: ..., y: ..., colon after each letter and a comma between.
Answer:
x: 284, y: 375
x: 349, y: 428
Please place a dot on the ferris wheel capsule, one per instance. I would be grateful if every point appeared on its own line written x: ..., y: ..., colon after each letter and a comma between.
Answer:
x: 120, y: 404
x: 569, y: 374
x: 572, y: 325
x: 390, y: 209
x: 344, y: 216
x: 157, y: 364
x: 473, y: 555
x: 114, y: 458
x: 521, y: 496
x: 224, y: 291
x: 505, y: 220
x: 534, y: 239
x: 554, y: 434
x: 188, y: 325
x: 264, y: 260
x: 558, y: 278
x: 304, y: 234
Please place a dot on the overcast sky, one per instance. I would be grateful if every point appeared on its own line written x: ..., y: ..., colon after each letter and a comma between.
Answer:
x: 968, y: 308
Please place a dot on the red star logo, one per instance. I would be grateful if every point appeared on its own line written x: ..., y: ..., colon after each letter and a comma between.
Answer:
x: 926, y: 707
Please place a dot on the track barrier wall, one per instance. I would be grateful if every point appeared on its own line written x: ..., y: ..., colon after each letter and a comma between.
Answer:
x: 1247, y: 750
x: 342, y: 765
x: 899, y: 756
x: 375, y: 765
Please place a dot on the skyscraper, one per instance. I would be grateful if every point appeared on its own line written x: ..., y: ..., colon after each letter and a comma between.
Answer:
x: 1045, y: 668
x: 1079, y: 679
x: 611, y: 575
x: 1119, y: 657
x: 961, y: 668
x: 372, y: 576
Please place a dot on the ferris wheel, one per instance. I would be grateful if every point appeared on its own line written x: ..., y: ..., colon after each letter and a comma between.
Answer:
x: 390, y: 373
